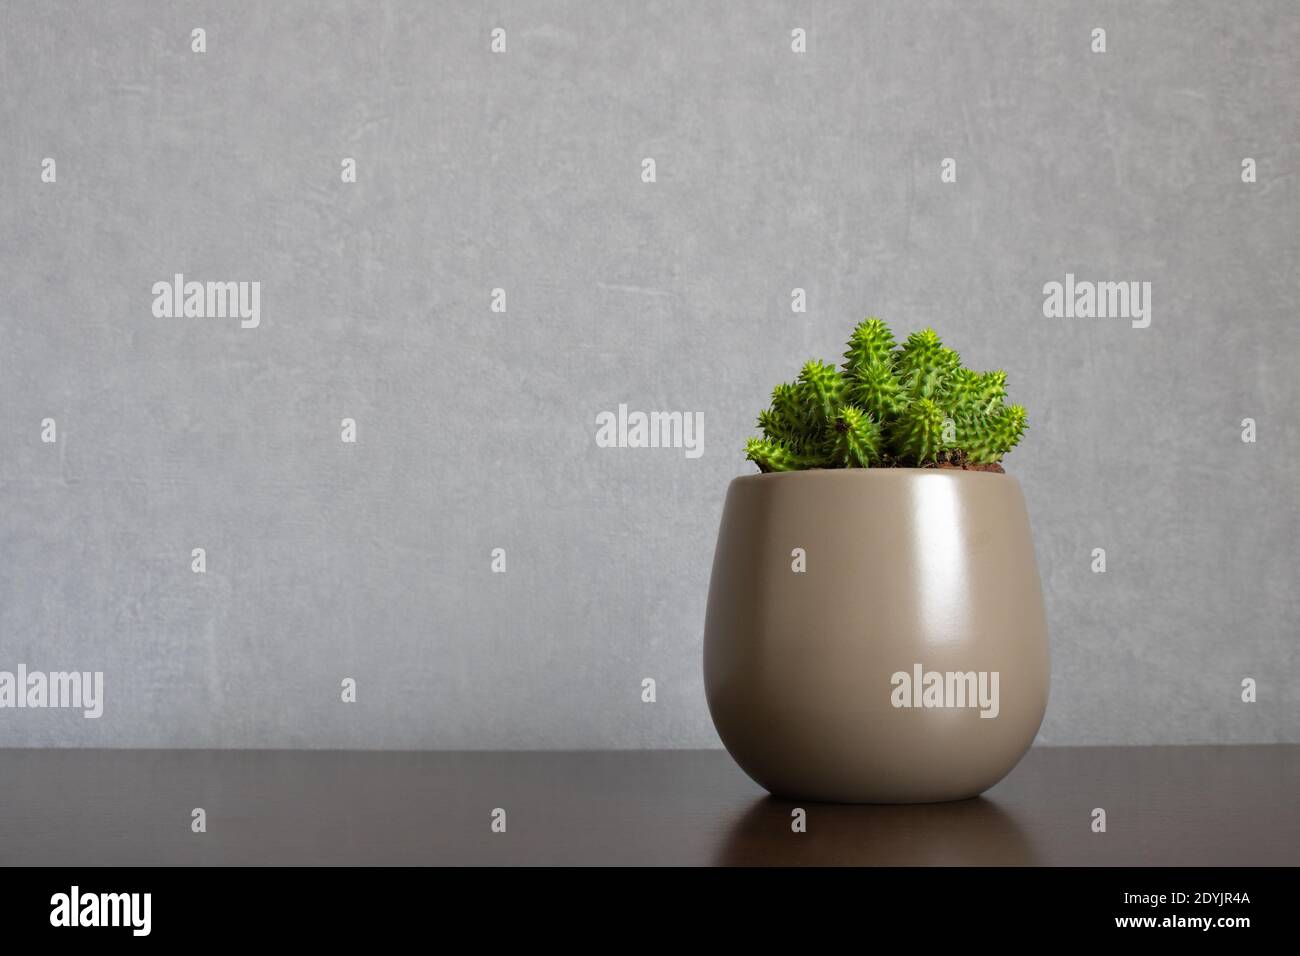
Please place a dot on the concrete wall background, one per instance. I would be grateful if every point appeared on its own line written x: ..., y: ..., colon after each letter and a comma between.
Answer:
x: 522, y: 171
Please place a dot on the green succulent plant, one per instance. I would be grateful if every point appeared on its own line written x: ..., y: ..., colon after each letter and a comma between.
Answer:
x: 908, y: 406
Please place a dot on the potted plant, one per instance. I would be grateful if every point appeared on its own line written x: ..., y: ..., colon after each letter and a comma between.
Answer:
x: 875, y: 629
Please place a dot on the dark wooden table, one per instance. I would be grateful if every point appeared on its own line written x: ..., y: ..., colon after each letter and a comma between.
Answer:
x: 1164, y: 806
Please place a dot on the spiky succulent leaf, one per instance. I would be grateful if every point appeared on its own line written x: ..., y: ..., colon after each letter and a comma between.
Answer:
x: 782, y: 428
x: 772, y: 455
x: 789, y: 420
x: 775, y: 426
x: 989, y: 391
x: 968, y: 393
x: 822, y: 389
x: 877, y: 390
x: 918, y: 432
x: 871, y: 345
x: 985, y: 438
x: 857, y: 442
x: 924, y: 365
x: 785, y: 399
x: 961, y: 392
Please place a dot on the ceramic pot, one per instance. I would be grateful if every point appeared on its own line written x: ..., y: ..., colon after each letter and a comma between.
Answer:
x: 876, y: 635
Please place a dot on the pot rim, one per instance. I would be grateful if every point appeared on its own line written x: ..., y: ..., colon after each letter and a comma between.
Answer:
x: 808, y: 473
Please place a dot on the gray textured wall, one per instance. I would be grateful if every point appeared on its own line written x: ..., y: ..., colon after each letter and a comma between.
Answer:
x: 476, y: 430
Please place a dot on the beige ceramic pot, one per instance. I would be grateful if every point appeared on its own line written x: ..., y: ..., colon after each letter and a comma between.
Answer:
x: 876, y: 636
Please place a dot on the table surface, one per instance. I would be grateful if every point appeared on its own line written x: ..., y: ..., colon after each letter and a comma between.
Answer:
x: 1177, y: 806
